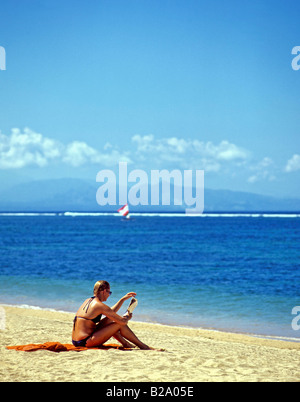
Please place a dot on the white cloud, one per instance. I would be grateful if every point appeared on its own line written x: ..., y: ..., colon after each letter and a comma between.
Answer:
x: 32, y: 149
x: 225, y: 151
x: 264, y: 170
x: 229, y: 152
x: 203, y: 155
x: 27, y: 148
x: 78, y: 153
x: 293, y: 164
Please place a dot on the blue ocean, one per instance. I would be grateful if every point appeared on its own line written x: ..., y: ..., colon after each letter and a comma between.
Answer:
x: 238, y: 273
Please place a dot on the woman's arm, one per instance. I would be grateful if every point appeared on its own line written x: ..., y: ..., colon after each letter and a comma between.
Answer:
x: 118, y: 305
x: 108, y: 312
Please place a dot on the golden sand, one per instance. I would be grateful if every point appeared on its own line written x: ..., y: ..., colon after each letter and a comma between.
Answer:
x: 190, y: 354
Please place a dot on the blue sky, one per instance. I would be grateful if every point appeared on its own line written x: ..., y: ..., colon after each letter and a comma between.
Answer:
x: 173, y: 84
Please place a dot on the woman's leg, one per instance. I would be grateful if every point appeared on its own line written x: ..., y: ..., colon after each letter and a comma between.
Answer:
x: 123, y: 341
x: 104, y: 322
x: 103, y: 334
x: 130, y: 336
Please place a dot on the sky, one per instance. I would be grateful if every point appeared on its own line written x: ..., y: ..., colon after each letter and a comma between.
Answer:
x: 160, y: 84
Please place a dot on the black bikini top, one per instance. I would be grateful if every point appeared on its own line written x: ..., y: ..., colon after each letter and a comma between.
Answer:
x: 95, y: 320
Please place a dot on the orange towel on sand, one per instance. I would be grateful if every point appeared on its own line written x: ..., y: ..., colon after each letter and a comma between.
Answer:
x: 59, y: 347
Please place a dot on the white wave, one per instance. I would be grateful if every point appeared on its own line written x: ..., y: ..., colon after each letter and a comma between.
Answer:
x: 183, y: 215
x: 159, y: 214
x: 29, y: 307
x: 91, y: 214
x: 28, y: 214
x: 281, y: 215
x: 277, y: 338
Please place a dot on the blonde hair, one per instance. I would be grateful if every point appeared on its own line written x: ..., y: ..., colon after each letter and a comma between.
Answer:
x: 99, y: 286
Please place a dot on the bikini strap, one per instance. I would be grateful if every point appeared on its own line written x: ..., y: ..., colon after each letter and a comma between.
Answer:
x: 86, y: 307
x: 74, y: 322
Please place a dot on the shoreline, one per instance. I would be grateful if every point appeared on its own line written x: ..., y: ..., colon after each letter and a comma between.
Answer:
x: 217, y: 330
x: 191, y: 355
x: 236, y: 214
x: 278, y: 338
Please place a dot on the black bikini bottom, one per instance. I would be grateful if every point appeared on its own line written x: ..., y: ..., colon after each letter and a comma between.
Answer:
x: 82, y: 342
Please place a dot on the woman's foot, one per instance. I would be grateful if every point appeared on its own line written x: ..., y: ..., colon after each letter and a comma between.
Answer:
x: 150, y: 348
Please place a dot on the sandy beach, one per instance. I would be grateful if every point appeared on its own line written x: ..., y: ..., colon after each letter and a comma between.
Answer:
x: 190, y: 354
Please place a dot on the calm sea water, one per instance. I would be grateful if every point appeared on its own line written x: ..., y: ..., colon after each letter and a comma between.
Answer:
x: 233, y: 273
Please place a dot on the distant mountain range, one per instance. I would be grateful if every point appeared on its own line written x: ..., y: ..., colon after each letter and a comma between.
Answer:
x: 80, y: 196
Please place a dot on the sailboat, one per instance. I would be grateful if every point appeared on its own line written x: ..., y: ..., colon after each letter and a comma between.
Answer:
x: 124, y: 211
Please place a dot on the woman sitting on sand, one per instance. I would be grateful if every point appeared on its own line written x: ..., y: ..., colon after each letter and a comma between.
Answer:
x: 90, y: 331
